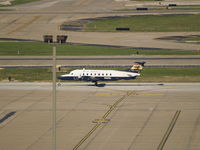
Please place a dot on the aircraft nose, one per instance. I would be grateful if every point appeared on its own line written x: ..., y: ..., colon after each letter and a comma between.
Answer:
x: 60, y: 77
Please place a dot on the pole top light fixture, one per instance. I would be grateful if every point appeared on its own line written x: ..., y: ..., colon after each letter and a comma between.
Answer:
x: 59, y: 39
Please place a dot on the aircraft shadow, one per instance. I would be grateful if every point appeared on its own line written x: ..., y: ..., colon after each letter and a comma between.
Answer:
x: 139, y: 84
x: 99, y: 85
x: 113, y: 84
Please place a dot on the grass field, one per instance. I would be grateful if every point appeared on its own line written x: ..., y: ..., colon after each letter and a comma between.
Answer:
x: 162, y: 23
x: 193, y: 39
x: 146, y: 0
x: 196, y: 7
x: 26, y: 74
x: 147, y: 75
x: 18, y: 2
x: 43, y: 49
x: 170, y: 75
x: 6, y: 9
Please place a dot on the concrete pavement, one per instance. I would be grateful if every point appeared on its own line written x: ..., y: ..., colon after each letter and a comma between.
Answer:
x: 32, y: 21
x: 138, y: 122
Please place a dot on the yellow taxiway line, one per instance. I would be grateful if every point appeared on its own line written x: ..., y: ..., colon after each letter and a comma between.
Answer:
x: 102, y: 120
x: 25, y: 25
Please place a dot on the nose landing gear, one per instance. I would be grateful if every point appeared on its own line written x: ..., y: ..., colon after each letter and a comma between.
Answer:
x: 95, y: 83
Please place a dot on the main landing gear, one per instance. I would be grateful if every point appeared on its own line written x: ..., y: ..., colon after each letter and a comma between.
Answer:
x: 95, y: 83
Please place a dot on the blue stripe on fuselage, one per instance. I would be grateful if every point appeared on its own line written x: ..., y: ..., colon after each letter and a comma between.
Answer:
x: 89, y: 78
x: 67, y: 78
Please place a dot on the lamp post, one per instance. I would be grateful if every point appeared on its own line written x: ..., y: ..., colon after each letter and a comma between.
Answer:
x: 49, y: 39
x: 54, y: 101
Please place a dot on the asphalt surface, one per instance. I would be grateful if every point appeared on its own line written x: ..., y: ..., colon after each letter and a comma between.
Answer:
x: 99, y: 60
x: 127, y: 116
x: 32, y: 21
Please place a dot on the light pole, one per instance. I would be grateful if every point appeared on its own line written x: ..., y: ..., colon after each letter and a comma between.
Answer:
x: 49, y: 39
x: 54, y: 101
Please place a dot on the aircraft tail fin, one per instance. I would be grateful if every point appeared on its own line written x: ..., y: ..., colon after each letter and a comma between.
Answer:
x: 137, y: 67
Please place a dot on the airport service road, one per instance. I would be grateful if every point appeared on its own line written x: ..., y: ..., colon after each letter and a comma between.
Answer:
x: 118, y: 116
x: 98, y: 60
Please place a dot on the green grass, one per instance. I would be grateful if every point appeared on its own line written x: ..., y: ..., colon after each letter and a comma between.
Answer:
x: 146, y: 0
x: 147, y: 75
x: 193, y: 39
x: 43, y: 49
x: 6, y: 9
x: 170, y: 75
x: 18, y: 2
x: 26, y: 74
x: 181, y: 8
x: 162, y: 23
x: 164, y: 8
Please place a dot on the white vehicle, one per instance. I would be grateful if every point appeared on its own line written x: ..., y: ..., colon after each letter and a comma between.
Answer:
x: 99, y: 75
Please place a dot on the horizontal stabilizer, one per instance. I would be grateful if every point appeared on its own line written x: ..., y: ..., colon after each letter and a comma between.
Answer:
x: 140, y: 63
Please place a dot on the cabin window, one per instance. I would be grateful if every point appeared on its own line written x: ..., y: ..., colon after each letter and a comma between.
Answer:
x: 102, y: 74
x: 90, y: 73
x: 111, y: 74
x: 83, y: 74
x: 99, y: 74
x: 87, y: 74
x: 106, y: 74
x: 95, y: 74
x: 71, y: 73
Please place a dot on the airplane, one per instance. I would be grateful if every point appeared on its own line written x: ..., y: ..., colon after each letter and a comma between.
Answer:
x: 100, y: 75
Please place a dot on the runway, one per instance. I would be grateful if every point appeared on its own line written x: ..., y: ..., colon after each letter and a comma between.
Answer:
x: 141, y: 114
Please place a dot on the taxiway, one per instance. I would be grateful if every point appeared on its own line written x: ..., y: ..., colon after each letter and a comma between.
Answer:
x: 141, y: 114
